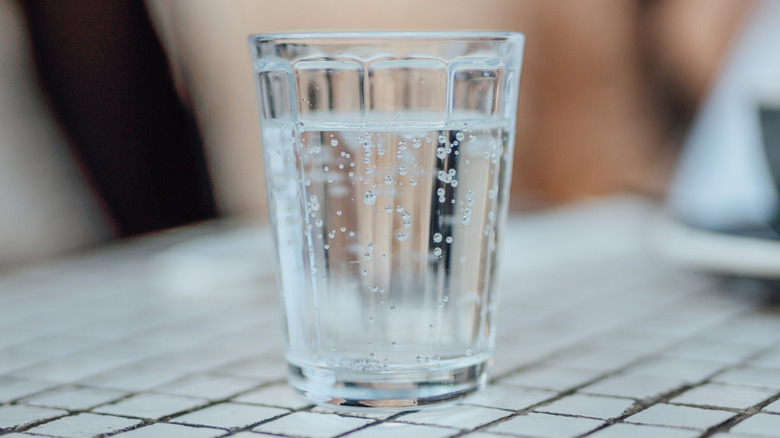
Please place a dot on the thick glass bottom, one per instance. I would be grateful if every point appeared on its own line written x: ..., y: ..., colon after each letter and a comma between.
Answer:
x: 397, y: 390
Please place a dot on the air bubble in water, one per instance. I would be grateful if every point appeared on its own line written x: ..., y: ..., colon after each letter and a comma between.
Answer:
x: 416, y: 143
x: 370, y: 246
x: 437, y: 251
x: 318, y: 222
x: 393, y: 308
x: 442, y: 138
x: 401, y: 236
x: 399, y: 208
x: 441, y: 153
x: 402, y: 145
x: 448, y: 239
x: 402, y: 170
x: 460, y: 136
x: 394, y: 344
x: 437, y: 237
x: 332, y: 234
x: 406, y: 215
x: 413, y: 182
x: 334, y: 142
x: 388, y: 180
x: 454, y: 183
x: 440, y: 191
x: 343, y: 229
x: 407, y: 224
x: 389, y: 208
x: 369, y: 198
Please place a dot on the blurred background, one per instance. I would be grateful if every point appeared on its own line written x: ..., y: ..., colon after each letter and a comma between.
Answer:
x: 124, y: 117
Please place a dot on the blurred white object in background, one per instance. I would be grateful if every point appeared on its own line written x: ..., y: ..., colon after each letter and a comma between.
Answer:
x: 723, y: 179
x: 45, y: 206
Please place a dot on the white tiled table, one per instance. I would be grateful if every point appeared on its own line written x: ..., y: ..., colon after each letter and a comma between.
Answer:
x: 177, y: 335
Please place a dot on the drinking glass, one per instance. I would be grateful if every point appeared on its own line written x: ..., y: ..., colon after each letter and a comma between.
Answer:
x: 388, y: 159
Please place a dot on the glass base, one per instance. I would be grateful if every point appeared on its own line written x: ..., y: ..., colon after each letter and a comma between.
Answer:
x: 397, y: 391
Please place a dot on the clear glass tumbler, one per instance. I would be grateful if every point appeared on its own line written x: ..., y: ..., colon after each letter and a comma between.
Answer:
x: 388, y: 159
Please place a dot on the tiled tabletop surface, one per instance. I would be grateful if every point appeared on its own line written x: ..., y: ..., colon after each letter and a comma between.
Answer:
x: 177, y: 335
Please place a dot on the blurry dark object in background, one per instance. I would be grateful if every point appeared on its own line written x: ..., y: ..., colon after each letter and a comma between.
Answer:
x: 109, y: 84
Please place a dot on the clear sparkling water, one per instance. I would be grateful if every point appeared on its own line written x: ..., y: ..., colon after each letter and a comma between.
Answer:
x: 387, y: 241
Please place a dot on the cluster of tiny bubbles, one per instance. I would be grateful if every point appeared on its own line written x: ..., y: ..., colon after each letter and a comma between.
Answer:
x: 466, y: 216
x: 416, y: 143
x: 402, y: 170
x: 314, y: 203
x: 437, y: 251
x: 413, y: 182
x: 401, y: 236
x: 446, y: 177
x: 437, y: 237
x: 314, y: 149
x: 443, y: 301
x: 470, y: 197
x: 332, y: 234
x: 407, y: 218
x: 441, y: 192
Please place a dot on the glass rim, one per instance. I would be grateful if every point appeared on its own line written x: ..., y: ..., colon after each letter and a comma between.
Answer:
x: 362, y: 36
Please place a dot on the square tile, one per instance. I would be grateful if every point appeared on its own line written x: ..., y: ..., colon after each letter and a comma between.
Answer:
x: 312, y: 425
x: 74, y: 398
x: 84, y: 425
x: 152, y: 406
x: 13, y: 388
x: 373, y: 414
x: 773, y: 407
x: 725, y: 396
x: 633, y: 386
x: 459, y: 416
x: 600, y: 359
x: 134, y: 378
x: 546, y: 426
x: 751, y: 376
x: 209, y: 386
x: 764, y: 425
x: 508, y: 397
x: 624, y: 430
x: 688, y: 369
x: 592, y: 406
x: 229, y: 415
x: 19, y: 415
x: 554, y: 377
x: 713, y: 350
x: 282, y: 396
x: 680, y: 416
x: 398, y: 430
x: 159, y: 430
